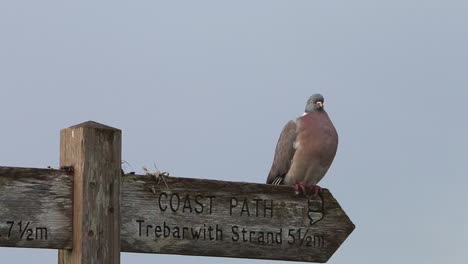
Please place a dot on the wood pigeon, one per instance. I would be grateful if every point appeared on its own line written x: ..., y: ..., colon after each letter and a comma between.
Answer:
x: 305, y: 149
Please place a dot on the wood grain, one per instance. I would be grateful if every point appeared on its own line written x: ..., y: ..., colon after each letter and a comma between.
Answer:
x: 94, y: 151
x: 35, y: 208
x: 152, y: 224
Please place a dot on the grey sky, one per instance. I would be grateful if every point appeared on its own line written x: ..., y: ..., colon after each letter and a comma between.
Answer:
x: 203, y: 88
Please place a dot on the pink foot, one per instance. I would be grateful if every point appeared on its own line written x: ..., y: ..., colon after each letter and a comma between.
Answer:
x: 315, y: 189
x: 300, y: 188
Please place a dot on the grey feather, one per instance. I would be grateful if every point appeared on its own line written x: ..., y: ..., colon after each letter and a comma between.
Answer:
x: 284, y: 154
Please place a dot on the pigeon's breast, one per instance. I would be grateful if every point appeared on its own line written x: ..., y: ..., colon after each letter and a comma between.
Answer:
x: 317, y: 142
x: 317, y: 135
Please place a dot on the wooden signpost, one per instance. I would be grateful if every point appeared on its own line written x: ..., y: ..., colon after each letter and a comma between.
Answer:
x: 78, y: 210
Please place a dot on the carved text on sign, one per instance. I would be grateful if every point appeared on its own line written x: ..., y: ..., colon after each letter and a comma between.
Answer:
x: 23, y: 230
x: 171, y: 204
x: 293, y: 237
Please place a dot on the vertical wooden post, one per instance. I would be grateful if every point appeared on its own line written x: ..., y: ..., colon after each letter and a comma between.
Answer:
x: 94, y: 152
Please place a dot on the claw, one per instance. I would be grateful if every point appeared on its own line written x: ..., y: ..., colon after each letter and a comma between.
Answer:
x: 315, y: 190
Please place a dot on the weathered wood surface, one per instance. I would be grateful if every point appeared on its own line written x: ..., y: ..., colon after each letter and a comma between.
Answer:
x: 35, y: 208
x: 42, y: 198
x: 232, y: 219
x: 93, y: 150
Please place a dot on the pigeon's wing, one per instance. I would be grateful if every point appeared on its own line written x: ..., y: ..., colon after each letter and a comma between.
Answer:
x: 283, y: 154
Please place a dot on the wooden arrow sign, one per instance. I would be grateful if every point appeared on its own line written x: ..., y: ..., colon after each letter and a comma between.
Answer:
x: 229, y: 219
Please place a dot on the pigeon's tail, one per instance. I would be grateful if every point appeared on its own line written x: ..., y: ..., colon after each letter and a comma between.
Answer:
x: 278, y: 181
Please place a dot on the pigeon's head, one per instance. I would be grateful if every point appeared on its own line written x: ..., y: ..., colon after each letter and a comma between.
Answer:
x: 315, y: 102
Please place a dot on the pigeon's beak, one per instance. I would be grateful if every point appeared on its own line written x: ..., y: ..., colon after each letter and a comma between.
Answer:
x: 319, y: 104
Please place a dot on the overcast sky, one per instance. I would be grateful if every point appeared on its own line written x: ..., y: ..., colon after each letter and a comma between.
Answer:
x: 203, y: 88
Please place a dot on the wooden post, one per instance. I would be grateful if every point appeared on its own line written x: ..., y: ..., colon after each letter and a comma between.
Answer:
x: 93, y: 151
